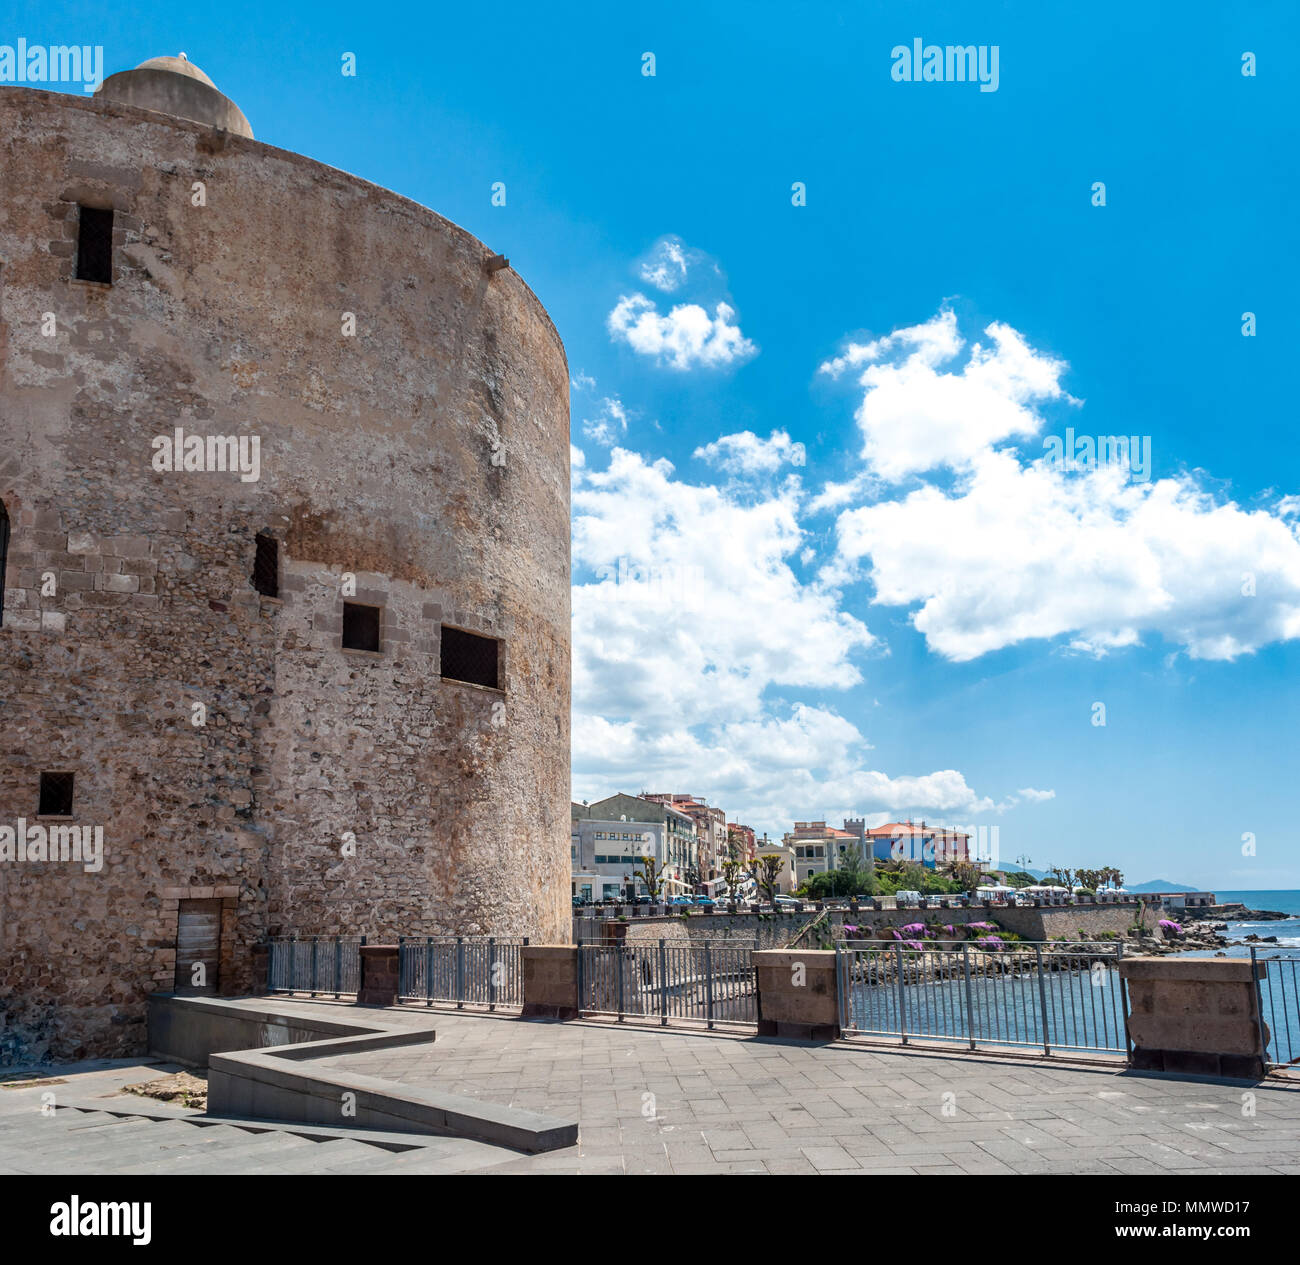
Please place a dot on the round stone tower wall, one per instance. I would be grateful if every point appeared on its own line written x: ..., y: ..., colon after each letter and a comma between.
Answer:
x: 410, y: 409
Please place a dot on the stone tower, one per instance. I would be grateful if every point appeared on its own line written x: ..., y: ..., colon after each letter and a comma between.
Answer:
x: 284, y: 469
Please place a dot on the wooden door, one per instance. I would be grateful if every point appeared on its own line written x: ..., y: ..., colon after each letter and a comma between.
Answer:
x: 198, y: 939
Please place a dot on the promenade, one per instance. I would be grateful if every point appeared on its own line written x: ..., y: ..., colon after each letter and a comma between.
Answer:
x: 653, y: 1100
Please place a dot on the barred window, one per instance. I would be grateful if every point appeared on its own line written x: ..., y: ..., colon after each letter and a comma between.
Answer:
x: 266, y: 565
x: 468, y: 657
x: 56, y: 795
x: 95, y: 245
x: 360, y: 626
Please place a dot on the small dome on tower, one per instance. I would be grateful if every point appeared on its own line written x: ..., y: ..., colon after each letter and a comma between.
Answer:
x: 180, y: 65
x: 176, y: 86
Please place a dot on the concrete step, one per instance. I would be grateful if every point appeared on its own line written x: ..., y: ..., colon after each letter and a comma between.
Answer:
x: 93, y: 1141
x: 55, y: 1139
x: 136, y: 1146
x: 460, y: 1155
x: 260, y: 1148
x: 169, y: 1133
x: 63, y: 1123
x: 72, y: 1118
x: 323, y: 1157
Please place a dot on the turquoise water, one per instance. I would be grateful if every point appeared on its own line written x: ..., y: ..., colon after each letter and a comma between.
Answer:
x: 1280, y: 987
x: 1069, y: 1010
x: 1282, y: 902
x: 1287, y: 930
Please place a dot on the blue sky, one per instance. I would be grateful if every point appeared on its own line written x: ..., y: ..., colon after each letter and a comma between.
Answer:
x: 742, y: 652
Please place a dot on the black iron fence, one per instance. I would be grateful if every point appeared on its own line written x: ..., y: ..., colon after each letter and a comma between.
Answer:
x: 1015, y: 994
x: 1278, y: 986
x: 317, y: 965
x: 706, y: 981
x: 476, y: 971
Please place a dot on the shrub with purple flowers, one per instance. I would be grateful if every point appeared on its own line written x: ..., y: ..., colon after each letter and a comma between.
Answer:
x: 1171, y: 928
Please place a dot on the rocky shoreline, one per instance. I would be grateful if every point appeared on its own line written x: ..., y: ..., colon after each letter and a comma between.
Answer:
x: 1239, y: 913
x: 1204, y: 930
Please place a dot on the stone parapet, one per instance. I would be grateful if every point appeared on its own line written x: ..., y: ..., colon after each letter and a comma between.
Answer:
x: 797, y: 994
x: 550, y: 981
x: 1195, y: 1015
x: 379, y: 975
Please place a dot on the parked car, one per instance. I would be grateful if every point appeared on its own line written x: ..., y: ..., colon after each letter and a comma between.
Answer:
x: 782, y: 899
x: 706, y: 902
x: 644, y: 900
x: 680, y: 900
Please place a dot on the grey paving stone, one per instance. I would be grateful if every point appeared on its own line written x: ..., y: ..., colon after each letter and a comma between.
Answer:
x: 734, y: 1104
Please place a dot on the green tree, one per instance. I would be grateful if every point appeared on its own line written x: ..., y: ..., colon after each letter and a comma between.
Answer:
x: 767, y: 873
x: 1062, y: 876
x: 652, y: 875
x: 733, y: 867
x: 965, y: 874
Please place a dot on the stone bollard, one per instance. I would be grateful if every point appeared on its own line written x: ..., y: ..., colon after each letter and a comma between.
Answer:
x: 379, y: 975
x: 797, y: 994
x: 550, y: 981
x: 261, y: 967
x: 1195, y: 1015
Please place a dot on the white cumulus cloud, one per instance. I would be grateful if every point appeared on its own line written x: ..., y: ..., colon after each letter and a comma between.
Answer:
x: 693, y: 640
x: 609, y: 424
x: 687, y: 337
x: 667, y: 265
x: 746, y: 453
x: 1018, y: 549
x: 920, y: 409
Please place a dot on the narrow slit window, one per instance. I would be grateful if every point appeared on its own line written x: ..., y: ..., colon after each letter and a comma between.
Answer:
x: 4, y: 555
x: 360, y: 627
x: 56, y: 795
x: 468, y: 657
x: 95, y: 245
x: 266, y: 566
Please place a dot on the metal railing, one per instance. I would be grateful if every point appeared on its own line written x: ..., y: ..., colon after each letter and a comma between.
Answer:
x: 318, y: 965
x: 1017, y: 994
x: 476, y: 971
x: 1277, y: 990
x: 708, y: 981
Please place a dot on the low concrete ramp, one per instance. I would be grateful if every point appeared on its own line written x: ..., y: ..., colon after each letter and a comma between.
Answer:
x: 259, y: 1055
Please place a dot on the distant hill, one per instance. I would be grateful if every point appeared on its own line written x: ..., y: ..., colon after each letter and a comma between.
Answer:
x: 1155, y: 885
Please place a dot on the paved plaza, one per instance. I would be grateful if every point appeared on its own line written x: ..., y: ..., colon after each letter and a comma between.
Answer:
x: 653, y: 1100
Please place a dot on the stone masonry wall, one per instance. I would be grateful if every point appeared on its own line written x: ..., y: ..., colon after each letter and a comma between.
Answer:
x: 427, y: 456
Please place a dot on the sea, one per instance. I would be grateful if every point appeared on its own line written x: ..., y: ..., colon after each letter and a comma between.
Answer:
x: 1061, y: 1007
x: 1286, y: 930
